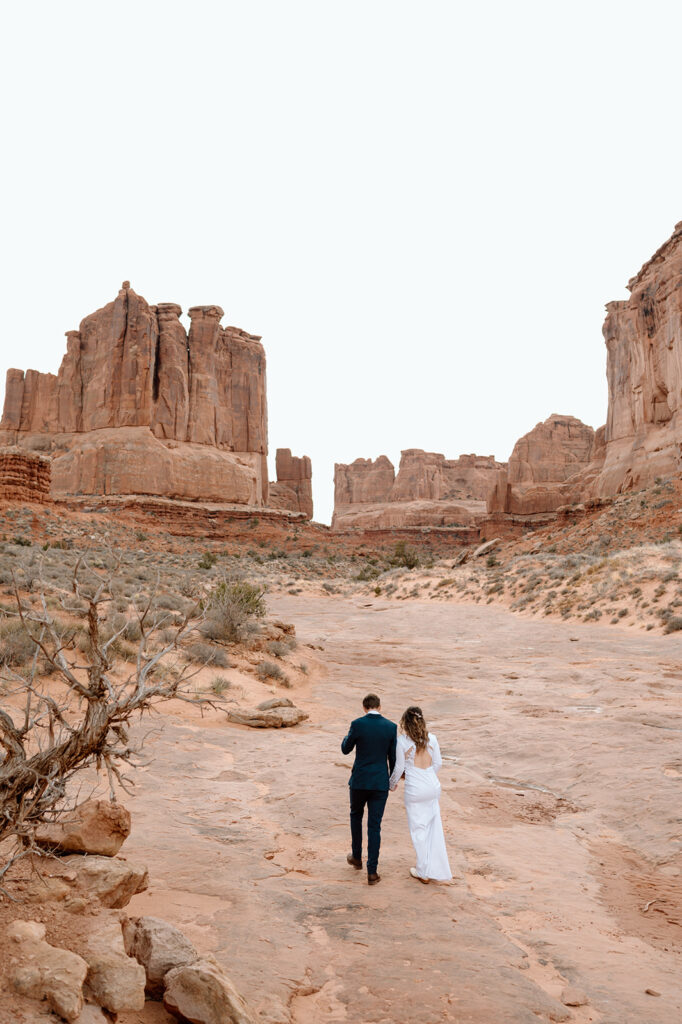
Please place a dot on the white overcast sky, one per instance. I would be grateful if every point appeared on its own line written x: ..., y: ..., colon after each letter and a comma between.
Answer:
x: 422, y: 206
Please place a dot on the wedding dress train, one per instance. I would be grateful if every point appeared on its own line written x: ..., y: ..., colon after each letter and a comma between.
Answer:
x: 422, y: 804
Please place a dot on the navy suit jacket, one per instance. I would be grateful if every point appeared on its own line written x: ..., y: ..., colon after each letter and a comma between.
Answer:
x: 373, y: 738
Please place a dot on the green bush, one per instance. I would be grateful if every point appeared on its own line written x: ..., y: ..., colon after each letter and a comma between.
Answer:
x: 405, y: 556
x: 16, y: 646
x: 220, y: 684
x: 231, y: 609
x: 206, y: 654
x: 268, y: 670
x: 207, y: 560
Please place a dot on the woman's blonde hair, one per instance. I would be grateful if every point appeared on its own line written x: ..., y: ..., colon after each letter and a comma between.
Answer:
x: 413, y: 725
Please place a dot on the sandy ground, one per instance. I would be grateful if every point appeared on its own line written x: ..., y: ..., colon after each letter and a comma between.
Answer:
x: 561, y: 789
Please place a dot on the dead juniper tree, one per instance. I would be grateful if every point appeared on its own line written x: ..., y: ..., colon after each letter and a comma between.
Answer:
x: 71, y: 707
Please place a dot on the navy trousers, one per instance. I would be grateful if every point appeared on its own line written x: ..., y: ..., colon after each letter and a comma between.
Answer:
x: 375, y: 799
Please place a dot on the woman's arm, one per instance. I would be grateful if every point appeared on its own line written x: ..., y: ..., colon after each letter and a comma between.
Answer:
x: 399, y: 766
x: 436, y: 758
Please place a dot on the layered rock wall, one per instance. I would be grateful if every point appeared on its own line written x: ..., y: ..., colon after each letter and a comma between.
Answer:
x: 429, y: 490
x: 139, y: 406
x: 24, y: 476
x: 293, y: 489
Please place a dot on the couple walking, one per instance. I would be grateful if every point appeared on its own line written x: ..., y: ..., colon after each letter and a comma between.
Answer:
x: 414, y: 756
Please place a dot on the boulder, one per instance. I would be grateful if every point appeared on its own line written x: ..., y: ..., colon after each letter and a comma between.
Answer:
x: 96, y: 826
x: 159, y: 947
x: 281, y: 716
x: 41, y: 971
x: 115, y: 980
x: 80, y: 880
x: 203, y: 994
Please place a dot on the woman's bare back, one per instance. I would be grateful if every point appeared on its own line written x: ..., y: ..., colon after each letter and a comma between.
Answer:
x: 422, y: 758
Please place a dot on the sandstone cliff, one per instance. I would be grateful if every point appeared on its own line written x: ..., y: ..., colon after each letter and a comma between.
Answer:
x: 293, y: 489
x: 140, y: 406
x: 644, y: 370
x: 429, y: 490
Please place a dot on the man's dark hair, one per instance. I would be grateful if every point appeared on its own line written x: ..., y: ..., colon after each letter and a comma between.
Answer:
x: 371, y: 702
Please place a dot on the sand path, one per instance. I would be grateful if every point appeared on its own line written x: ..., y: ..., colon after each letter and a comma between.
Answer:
x: 561, y: 797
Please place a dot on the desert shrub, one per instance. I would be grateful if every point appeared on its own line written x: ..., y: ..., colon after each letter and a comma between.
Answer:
x: 24, y: 542
x: 303, y: 668
x: 16, y: 646
x: 405, y: 556
x: 219, y: 684
x: 269, y: 670
x: 277, y: 649
x: 207, y: 560
x: 368, y: 572
x: 674, y: 624
x: 207, y: 654
x: 231, y: 609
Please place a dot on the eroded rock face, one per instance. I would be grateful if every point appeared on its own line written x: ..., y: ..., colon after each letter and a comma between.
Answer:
x: 554, y: 464
x: 24, y: 476
x: 293, y: 488
x: 132, y: 367
x: 644, y: 370
x: 429, y: 490
x: 551, y: 452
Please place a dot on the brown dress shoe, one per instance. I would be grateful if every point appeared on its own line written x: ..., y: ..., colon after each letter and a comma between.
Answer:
x: 373, y: 879
x: 354, y: 861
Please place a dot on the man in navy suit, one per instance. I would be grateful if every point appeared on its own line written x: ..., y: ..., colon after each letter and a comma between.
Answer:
x: 373, y: 738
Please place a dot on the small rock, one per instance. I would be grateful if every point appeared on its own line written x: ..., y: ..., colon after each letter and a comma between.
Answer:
x: 202, y: 993
x: 276, y: 702
x: 159, y: 947
x: 41, y: 971
x: 651, y: 992
x: 96, y: 826
x: 483, y: 549
x: 573, y: 997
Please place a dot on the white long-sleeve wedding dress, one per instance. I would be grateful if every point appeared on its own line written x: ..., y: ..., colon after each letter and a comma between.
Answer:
x: 422, y: 803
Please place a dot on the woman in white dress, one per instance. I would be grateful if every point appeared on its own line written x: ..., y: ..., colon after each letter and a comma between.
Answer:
x: 418, y: 758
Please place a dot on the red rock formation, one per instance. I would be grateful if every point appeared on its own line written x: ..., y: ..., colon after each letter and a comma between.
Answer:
x: 139, y: 407
x: 554, y: 464
x: 429, y: 490
x: 551, y: 452
x: 293, y: 489
x: 363, y: 481
x: 644, y: 370
x: 24, y: 476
